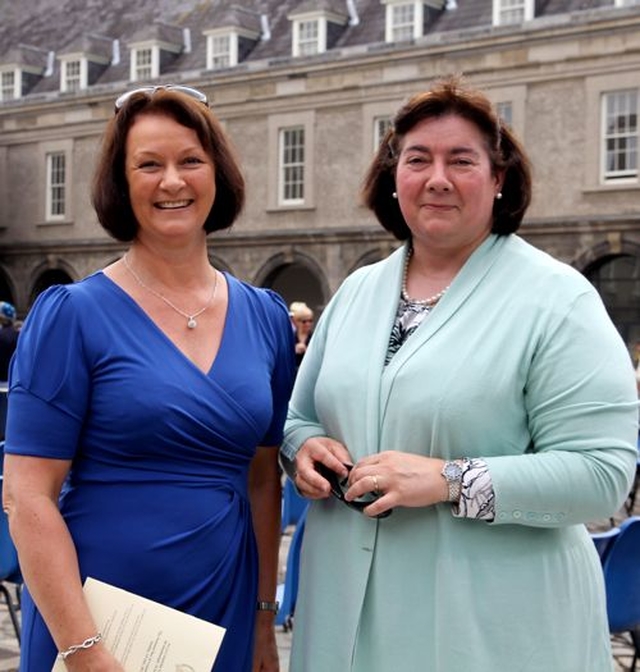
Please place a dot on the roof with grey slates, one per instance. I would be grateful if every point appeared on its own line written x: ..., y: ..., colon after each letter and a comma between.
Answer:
x: 61, y: 25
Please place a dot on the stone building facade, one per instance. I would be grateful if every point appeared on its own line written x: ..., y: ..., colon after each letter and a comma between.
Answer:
x: 305, y: 89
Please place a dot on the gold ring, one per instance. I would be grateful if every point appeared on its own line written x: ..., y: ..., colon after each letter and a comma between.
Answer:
x: 376, y: 489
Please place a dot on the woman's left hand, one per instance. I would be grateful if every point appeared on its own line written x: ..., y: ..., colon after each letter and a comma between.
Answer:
x: 401, y: 479
x: 265, y: 655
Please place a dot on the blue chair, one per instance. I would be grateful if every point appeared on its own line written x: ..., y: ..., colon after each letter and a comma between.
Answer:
x: 630, y: 504
x: 9, y: 571
x: 621, y: 569
x: 289, y: 592
x: 293, y: 505
x: 604, y: 540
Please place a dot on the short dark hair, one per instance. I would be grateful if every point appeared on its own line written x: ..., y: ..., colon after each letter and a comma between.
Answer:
x: 451, y: 96
x: 110, y: 191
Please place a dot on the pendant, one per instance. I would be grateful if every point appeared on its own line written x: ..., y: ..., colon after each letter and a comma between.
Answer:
x: 191, y: 323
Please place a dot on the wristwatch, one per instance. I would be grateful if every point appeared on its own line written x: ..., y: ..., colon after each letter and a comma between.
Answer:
x: 268, y: 606
x: 452, y: 472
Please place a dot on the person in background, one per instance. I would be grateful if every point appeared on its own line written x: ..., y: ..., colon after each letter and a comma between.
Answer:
x: 302, y: 320
x: 471, y: 407
x: 8, y: 337
x: 160, y: 387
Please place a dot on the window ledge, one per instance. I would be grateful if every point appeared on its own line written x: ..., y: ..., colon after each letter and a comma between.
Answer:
x: 286, y: 208
x: 55, y: 222
x: 608, y: 188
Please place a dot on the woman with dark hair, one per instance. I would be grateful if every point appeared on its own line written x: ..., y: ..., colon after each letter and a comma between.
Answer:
x: 470, y: 396
x: 146, y: 405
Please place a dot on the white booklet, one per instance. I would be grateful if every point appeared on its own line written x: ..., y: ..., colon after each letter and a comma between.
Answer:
x: 146, y: 636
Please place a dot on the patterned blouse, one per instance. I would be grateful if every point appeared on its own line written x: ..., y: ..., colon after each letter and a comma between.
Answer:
x: 477, y: 498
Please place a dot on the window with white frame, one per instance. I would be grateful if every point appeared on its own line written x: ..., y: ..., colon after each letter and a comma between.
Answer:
x: 290, y: 160
x: 56, y: 202
x: 71, y: 76
x: 506, y: 12
x: 620, y: 135
x: 307, y: 37
x: 380, y: 127
x: 505, y: 112
x: 219, y: 52
x: 142, y: 64
x: 402, y: 22
x: 8, y: 81
x: 291, y: 173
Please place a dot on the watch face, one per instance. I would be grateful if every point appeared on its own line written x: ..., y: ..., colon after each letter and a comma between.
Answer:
x: 452, y: 471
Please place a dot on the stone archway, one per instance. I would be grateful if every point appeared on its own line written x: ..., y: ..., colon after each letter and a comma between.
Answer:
x: 372, y: 256
x: 296, y: 278
x: 7, y: 292
x: 617, y: 279
x: 49, y: 277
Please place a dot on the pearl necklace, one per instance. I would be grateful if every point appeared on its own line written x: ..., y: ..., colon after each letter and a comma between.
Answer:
x: 429, y: 302
x: 191, y: 319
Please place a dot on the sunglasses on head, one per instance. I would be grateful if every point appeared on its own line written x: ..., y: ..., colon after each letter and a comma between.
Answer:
x: 150, y: 90
x: 339, y: 487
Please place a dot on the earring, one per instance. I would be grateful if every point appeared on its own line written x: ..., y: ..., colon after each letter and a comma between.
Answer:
x: 498, y: 196
x: 395, y: 194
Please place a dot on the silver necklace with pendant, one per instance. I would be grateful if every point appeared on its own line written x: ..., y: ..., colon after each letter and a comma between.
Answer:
x: 191, y: 319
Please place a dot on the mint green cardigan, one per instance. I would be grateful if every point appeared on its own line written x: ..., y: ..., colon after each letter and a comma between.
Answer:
x: 518, y: 364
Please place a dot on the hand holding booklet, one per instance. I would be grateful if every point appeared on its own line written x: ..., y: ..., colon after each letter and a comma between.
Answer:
x: 145, y: 636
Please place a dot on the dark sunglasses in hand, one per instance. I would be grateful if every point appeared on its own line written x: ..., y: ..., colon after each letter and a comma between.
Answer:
x: 339, y: 487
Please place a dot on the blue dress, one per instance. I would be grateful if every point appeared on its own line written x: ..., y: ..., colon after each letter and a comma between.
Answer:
x: 156, y: 499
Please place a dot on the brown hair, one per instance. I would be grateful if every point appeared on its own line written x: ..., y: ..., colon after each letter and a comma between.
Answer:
x: 110, y: 191
x: 450, y: 96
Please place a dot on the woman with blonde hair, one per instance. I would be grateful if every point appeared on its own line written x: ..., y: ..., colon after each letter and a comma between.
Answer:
x: 302, y: 320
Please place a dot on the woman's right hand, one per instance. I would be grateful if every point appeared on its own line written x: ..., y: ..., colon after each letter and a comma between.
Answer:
x: 331, y: 453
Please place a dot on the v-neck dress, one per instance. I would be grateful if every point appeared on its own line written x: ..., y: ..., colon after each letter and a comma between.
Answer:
x: 156, y: 500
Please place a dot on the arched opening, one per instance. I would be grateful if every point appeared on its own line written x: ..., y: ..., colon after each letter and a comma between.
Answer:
x: 371, y: 257
x: 296, y: 282
x: 617, y: 279
x: 53, y: 276
x: 6, y: 291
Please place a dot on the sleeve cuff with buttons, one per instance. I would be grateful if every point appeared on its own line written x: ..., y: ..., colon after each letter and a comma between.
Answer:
x: 477, y: 497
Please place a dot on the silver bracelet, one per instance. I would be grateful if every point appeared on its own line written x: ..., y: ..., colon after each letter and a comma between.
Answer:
x: 87, y: 644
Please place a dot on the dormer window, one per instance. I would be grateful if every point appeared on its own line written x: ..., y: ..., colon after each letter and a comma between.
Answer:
x: 237, y: 32
x: 73, y: 75
x: 306, y: 38
x: 227, y: 47
x: 509, y: 12
x: 315, y: 30
x: 83, y: 61
x: 407, y: 20
x: 154, y: 47
x: 143, y: 64
x: 402, y: 23
x: 8, y: 88
x: 21, y: 68
x: 219, y: 52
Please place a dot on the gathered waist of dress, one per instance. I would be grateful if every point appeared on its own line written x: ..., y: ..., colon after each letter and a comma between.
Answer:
x: 97, y: 474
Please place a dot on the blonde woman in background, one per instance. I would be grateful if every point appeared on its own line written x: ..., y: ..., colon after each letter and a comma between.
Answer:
x: 302, y: 319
